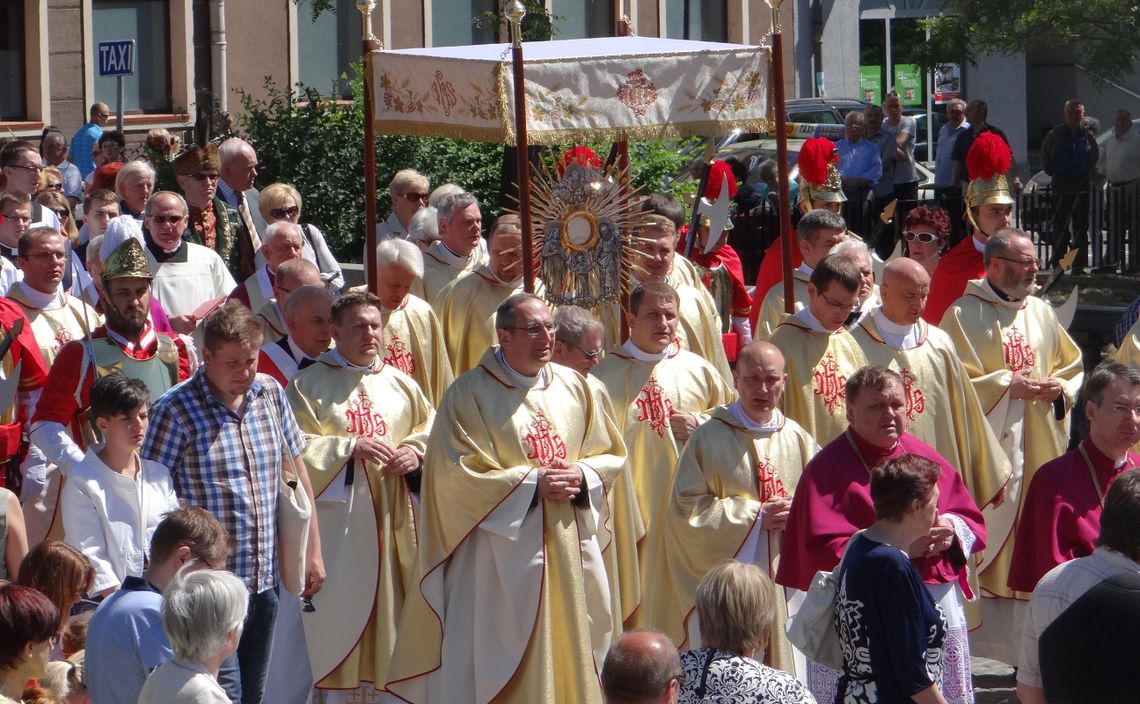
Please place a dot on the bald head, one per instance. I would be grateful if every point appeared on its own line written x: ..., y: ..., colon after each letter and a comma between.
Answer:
x: 642, y: 667
x: 295, y: 273
x: 758, y: 353
x: 903, y: 291
x: 760, y: 380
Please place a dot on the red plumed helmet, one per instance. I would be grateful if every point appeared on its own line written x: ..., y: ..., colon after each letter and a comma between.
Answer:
x: 988, y: 157
x: 583, y: 156
x: 815, y: 154
x: 718, y: 171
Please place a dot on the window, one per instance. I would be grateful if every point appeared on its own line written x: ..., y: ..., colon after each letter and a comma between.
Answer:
x: 459, y: 22
x: 696, y: 19
x: 13, y: 66
x: 147, y: 22
x: 326, y: 47
x: 580, y: 19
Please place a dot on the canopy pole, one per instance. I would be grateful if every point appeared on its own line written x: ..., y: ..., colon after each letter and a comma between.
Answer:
x: 371, y: 45
x: 515, y: 11
x: 782, y: 157
x: 623, y: 30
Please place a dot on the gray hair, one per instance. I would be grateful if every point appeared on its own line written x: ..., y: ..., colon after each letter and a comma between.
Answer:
x: 505, y: 315
x: 93, y: 249
x: 200, y: 609
x: 1001, y: 243
x: 406, y: 179
x: 231, y: 148
x: 574, y: 322
x: 156, y: 194
x: 277, y: 228
x: 401, y: 253
x: 441, y: 192
x: 452, y: 203
x: 851, y: 246
x: 816, y: 221
x: 767, y: 170
x: 424, y: 226
x: 303, y: 296
x: 956, y: 102
x: 132, y: 167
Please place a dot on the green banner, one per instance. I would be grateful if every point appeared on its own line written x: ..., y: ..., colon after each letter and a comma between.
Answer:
x: 908, y: 83
x: 871, y: 84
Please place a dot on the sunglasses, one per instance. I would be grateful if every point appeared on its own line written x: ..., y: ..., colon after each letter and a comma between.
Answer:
x: 166, y: 219
x: 53, y: 187
x: 923, y: 237
x: 63, y: 213
x: 282, y: 213
x: 415, y: 197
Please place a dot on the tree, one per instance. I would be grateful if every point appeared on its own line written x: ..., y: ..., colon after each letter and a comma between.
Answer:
x: 1103, y: 31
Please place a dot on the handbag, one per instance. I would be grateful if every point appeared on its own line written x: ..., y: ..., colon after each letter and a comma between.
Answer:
x: 294, y: 517
x: 813, y: 629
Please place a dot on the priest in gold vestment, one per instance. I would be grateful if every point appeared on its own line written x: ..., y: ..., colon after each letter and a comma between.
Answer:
x: 1027, y: 372
x: 730, y: 499
x: 457, y: 252
x: 819, y: 352
x: 511, y: 601
x: 1129, y: 353
x: 660, y: 394
x: 366, y: 424
x: 413, y: 337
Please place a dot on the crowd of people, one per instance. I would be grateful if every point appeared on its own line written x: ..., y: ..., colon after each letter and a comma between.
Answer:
x: 513, y: 501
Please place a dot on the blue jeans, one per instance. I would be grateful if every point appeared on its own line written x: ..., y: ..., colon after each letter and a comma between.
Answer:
x: 242, y: 674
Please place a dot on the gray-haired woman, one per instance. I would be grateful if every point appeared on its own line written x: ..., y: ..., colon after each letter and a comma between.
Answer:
x: 202, y: 614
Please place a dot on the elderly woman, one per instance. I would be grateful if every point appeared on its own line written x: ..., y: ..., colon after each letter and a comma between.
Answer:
x: 29, y: 623
x: 134, y: 183
x: 280, y: 201
x: 926, y: 233
x: 61, y: 573
x: 202, y: 614
x: 889, y: 625
x: 424, y: 228
x: 409, y: 192
x: 736, y: 607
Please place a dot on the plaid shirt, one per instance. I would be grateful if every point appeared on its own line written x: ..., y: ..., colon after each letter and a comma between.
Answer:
x: 228, y: 464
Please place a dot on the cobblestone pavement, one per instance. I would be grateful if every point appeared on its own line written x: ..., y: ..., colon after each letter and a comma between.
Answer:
x: 993, y: 682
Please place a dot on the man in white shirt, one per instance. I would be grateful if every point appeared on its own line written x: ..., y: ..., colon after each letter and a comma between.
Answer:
x: 1120, y: 164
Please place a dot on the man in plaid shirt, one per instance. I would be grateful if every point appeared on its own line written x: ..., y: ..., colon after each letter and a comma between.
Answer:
x: 222, y: 433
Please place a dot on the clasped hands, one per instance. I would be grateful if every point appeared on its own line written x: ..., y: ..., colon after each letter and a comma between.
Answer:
x: 559, y: 482
x: 1023, y: 388
x: 396, y: 461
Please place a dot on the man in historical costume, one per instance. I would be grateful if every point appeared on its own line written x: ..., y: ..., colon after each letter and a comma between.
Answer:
x: 458, y: 251
x: 942, y: 408
x: 730, y: 499
x: 989, y: 207
x: 210, y: 222
x: 467, y: 305
x: 22, y: 375
x: 660, y: 394
x: 1027, y: 372
x: 824, y: 191
x: 366, y: 423
x: 413, y: 337
x: 55, y: 318
x: 282, y: 243
x: 833, y: 500
x: 1060, y: 518
x: 409, y: 190
x: 186, y: 274
x: 307, y: 314
x: 818, y: 232
x: 292, y: 274
x: 819, y: 351
x: 512, y: 603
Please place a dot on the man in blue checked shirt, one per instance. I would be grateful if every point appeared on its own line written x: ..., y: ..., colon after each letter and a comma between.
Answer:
x: 221, y: 433
x: 860, y: 162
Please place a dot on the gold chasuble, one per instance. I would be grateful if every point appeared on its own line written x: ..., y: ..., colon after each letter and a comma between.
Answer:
x: 994, y: 339
x: 466, y: 309
x: 513, y: 602
x: 64, y: 319
x: 367, y: 518
x: 684, y: 271
x: 818, y: 364
x: 729, y: 467
x: 772, y: 307
x: 441, y: 267
x: 413, y: 343
x: 645, y: 390
x: 1129, y: 353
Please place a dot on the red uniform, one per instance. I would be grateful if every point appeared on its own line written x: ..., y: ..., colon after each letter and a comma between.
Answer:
x: 24, y: 351
x: 958, y: 266
x: 771, y: 273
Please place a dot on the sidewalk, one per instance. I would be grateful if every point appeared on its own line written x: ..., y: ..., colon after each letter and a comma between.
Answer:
x: 993, y: 682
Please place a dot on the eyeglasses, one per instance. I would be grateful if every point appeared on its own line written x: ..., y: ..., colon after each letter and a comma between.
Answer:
x: 415, y: 197
x: 587, y: 354
x: 536, y: 329
x: 834, y: 304
x: 25, y: 167
x: 63, y: 213
x: 923, y: 237
x: 53, y: 186
x: 57, y: 256
x: 1027, y: 263
x: 166, y: 219
x: 17, y: 218
x: 1122, y: 410
x: 282, y: 213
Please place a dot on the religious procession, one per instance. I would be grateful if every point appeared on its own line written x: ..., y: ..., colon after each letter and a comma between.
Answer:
x: 573, y: 455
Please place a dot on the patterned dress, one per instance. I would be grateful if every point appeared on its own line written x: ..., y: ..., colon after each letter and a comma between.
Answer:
x: 890, y: 627
x: 719, y: 677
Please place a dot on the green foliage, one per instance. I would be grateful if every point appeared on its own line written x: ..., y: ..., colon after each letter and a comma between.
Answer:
x: 656, y: 164
x: 537, y: 25
x: 1104, y: 32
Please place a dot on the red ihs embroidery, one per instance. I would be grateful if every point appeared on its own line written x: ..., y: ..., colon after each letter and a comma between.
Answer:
x: 768, y: 481
x: 1018, y: 354
x: 362, y: 420
x: 399, y: 356
x: 545, y: 446
x: 62, y: 337
x: 829, y: 383
x: 915, y: 399
x: 654, y: 406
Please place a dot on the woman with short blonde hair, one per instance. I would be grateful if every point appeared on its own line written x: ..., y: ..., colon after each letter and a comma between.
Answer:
x: 282, y: 202
x: 134, y: 183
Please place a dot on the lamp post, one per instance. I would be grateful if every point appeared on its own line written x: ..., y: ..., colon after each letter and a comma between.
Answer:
x: 370, y: 46
x: 782, y: 155
x: 515, y: 11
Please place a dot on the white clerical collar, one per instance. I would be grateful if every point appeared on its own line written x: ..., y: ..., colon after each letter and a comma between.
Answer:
x: 901, y: 337
x: 804, y: 316
x: 641, y: 355
x: 339, y: 359
x: 515, y: 284
x: 41, y: 300
x: 980, y: 246
x: 518, y: 378
x: 1002, y: 300
x: 449, y: 255
x: 804, y: 269
x: 773, y: 424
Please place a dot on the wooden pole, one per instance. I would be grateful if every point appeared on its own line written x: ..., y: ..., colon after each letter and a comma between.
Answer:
x: 782, y: 159
x: 623, y: 30
x: 371, y: 46
x: 523, y: 147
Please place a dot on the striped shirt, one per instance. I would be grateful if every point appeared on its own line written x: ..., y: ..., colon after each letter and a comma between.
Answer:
x: 229, y: 464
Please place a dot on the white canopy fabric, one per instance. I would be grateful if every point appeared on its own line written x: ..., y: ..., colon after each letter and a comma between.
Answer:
x: 576, y: 90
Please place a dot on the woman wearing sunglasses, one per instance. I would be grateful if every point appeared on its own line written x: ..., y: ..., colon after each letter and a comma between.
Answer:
x: 280, y: 201
x: 925, y: 235
x: 55, y: 201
